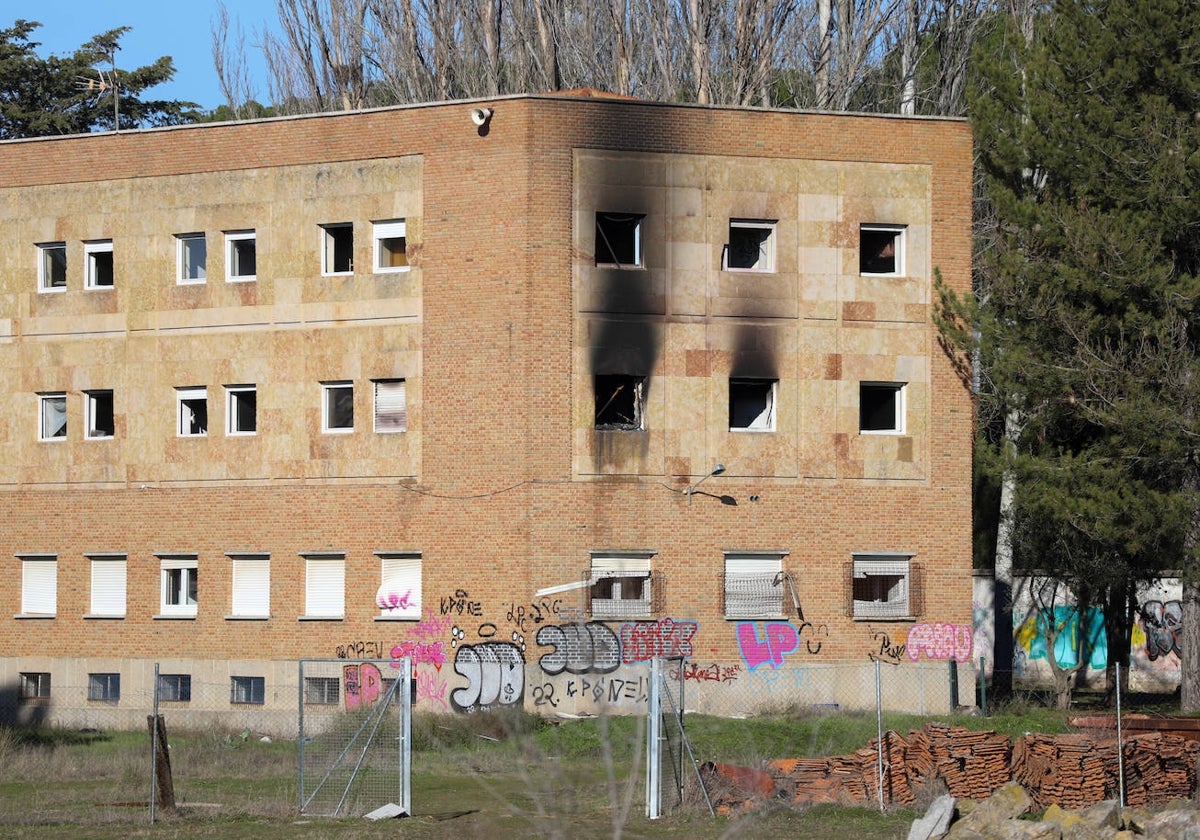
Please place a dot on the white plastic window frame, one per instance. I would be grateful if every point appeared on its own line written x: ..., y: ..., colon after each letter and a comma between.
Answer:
x: 52, y: 273
x: 178, y: 588
x: 330, y: 391
x: 899, y: 405
x: 190, y: 271
x: 321, y: 602
x: 93, y: 410
x: 765, y: 264
x: 52, y: 405
x: 234, y: 242
x: 96, y: 253
x: 237, y: 398
x: 899, y: 235
x: 250, y: 586
x: 108, y: 597
x: 770, y: 411
x: 39, y: 585
x: 184, y: 413
x: 388, y: 230
x: 330, y: 248
x: 400, y: 578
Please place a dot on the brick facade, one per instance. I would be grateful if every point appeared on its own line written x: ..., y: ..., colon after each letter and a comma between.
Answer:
x: 500, y: 484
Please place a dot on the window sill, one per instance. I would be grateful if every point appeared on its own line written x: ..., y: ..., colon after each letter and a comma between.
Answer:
x: 247, y: 618
x: 401, y: 270
x: 739, y: 430
x: 397, y: 618
x: 320, y: 618
x: 162, y: 617
x: 892, y: 618
x: 249, y: 279
x: 35, y: 615
x: 776, y: 617
x: 91, y: 616
x: 884, y: 432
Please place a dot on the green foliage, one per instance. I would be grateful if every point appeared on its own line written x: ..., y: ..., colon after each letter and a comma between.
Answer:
x: 45, y: 96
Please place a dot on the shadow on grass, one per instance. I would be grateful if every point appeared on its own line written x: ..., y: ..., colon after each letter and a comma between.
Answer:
x: 36, y: 736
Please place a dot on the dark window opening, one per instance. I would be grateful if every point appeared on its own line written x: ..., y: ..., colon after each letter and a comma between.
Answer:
x: 339, y: 249
x: 619, y: 402
x: 100, y: 269
x: 100, y: 414
x: 879, y: 250
x: 752, y: 404
x: 749, y: 247
x: 879, y: 408
x: 619, y: 239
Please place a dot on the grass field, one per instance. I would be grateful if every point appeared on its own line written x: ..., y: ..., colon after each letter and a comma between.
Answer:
x: 478, y: 776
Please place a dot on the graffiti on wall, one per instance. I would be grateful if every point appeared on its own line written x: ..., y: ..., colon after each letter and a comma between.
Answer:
x: 888, y: 651
x: 1163, y: 626
x: 940, y: 641
x: 774, y: 640
x: 642, y: 641
x: 1031, y: 637
x: 713, y: 672
x: 362, y: 685
x: 579, y: 648
x: 495, y: 675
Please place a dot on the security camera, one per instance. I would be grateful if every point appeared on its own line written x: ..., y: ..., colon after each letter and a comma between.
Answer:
x: 480, y: 116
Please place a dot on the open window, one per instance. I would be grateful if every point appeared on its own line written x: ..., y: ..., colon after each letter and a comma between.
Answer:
x: 241, y: 409
x: 391, y: 246
x: 620, y: 402
x: 337, y: 248
x: 399, y: 594
x: 620, y: 586
x: 191, y: 257
x: 98, y: 264
x: 108, y: 586
x: 52, y: 416
x: 247, y: 690
x: 39, y: 585
x: 754, y: 585
x: 98, y: 414
x: 751, y: 245
x: 881, y: 249
x: 251, y: 586
x: 881, y: 407
x: 337, y: 407
x: 52, y: 266
x: 752, y: 405
x: 192, y: 409
x: 241, y: 255
x: 391, y: 405
x: 619, y: 240
x: 884, y: 586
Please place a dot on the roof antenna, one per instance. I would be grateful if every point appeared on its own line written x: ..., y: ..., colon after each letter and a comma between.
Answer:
x: 104, y: 83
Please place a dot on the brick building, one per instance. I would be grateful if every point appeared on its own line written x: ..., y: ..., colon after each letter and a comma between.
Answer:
x: 456, y: 383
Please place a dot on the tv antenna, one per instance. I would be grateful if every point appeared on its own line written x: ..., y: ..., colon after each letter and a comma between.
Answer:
x: 102, y: 84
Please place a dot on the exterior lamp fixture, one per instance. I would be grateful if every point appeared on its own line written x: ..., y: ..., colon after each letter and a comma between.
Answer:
x: 691, y: 491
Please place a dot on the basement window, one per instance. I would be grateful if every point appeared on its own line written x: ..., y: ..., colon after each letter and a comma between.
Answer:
x: 620, y: 586
x: 98, y: 264
x: 241, y: 255
x: 191, y: 256
x: 754, y: 585
x: 881, y: 250
x: 337, y: 249
x: 619, y: 239
x: 883, y: 586
x: 104, y: 688
x: 98, y: 414
x: 752, y: 405
x: 247, y: 690
x: 391, y: 246
x: 175, y: 688
x: 321, y: 691
x: 35, y: 685
x: 192, y: 404
x: 881, y: 408
x: 620, y: 402
x: 52, y: 267
x: 751, y: 245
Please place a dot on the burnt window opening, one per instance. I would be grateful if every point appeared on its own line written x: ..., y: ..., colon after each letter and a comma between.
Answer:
x: 881, y: 407
x: 751, y: 245
x: 619, y: 239
x: 752, y: 405
x: 881, y: 249
x: 620, y: 402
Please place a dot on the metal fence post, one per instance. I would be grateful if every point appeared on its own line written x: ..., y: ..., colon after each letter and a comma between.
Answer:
x: 653, y: 747
x: 300, y: 740
x: 879, y: 727
x: 154, y: 750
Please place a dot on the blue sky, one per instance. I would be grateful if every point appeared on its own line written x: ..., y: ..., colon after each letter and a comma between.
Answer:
x: 181, y: 30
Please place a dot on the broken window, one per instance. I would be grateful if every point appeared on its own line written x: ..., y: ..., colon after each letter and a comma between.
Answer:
x: 192, y: 404
x: 619, y: 239
x: 754, y: 585
x: 751, y: 245
x: 752, y: 405
x: 883, y: 586
x: 191, y: 254
x: 98, y: 263
x: 241, y: 255
x: 391, y: 246
x: 52, y: 266
x: 881, y: 249
x: 881, y: 407
x: 620, y: 586
x: 98, y: 414
x: 337, y: 248
x: 620, y: 402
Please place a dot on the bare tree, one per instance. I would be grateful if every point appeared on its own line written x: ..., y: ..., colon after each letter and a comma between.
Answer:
x: 229, y: 59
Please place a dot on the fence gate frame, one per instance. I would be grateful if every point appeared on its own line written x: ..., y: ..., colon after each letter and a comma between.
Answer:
x: 400, y: 695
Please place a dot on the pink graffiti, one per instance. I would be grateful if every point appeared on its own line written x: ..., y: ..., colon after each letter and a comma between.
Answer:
x: 432, y: 626
x: 940, y: 641
x: 431, y: 688
x: 778, y: 640
x: 710, y: 673
x: 421, y: 653
x: 393, y: 601
x: 642, y: 641
x: 363, y: 683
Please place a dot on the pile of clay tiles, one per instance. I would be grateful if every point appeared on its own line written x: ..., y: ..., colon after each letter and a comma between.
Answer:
x: 1073, y: 771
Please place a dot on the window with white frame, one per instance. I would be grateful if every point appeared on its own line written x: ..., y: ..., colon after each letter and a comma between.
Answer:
x: 98, y: 264
x: 337, y: 407
x: 752, y: 404
x: 754, y: 584
x: 751, y: 245
x: 619, y: 240
x: 620, y: 402
x: 52, y: 416
x: 391, y: 405
x: 247, y: 690
x: 175, y: 688
x: 882, y: 586
x: 322, y: 691
x: 241, y: 255
x: 35, y: 685
x: 881, y: 249
x: 399, y: 594
x: 39, y: 584
x: 52, y: 266
x: 179, y: 586
x: 192, y: 410
x: 620, y: 585
x: 325, y: 586
x: 337, y: 249
x: 391, y: 245
x: 108, y: 585
x: 251, y: 585
x: 104, y: 688
x: 241, y: 409
x: 191, y: 258
x: 98, y: 414
x: 881, y: 407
